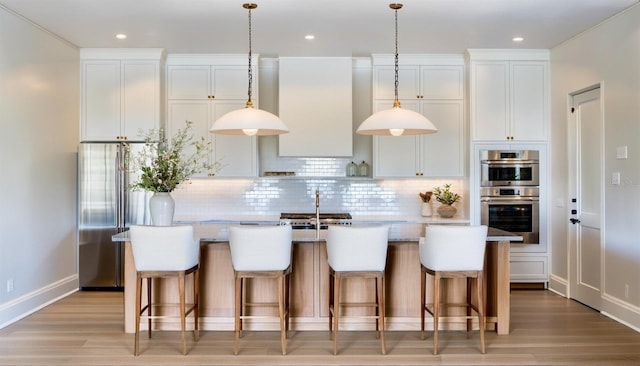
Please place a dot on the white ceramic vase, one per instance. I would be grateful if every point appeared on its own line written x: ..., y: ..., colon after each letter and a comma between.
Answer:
x: 162, y: 207
x: 425, y: 209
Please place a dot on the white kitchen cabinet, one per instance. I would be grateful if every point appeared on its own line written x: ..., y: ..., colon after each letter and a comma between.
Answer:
x: 530, y: 268
x: 202, y: 88
x: 190, y: 82
x: 433, y: 155
x: 120, y: 93
x: 237, y: 154
x: 419, y: 82
x: 433, y: 86
x: 509, y: 95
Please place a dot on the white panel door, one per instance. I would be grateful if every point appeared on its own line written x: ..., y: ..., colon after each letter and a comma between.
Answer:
x: 586, y: 127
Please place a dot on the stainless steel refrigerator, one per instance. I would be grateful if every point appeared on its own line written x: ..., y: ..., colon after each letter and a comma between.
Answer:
x: 106, y: 207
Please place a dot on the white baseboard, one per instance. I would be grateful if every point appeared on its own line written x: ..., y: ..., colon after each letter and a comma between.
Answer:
x: 25, y: 305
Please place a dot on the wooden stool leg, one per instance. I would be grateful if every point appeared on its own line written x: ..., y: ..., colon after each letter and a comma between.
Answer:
x: 196, y: 305
x: 136, y: 338
x: 336, y: 311
x: 287, y: 302
x: 332, y: 279
x: 283, y: 331
x: 468, y: 285
x: 381, y: 309
x: 481, y: 318
x: 149, y: 308
x: 238, y: 306
x: 181, y: 281
x: 376, y: 285
x: 423, y: 294
x: 436, y: 311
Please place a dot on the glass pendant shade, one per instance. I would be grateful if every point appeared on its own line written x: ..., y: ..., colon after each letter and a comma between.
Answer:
x: 249, y: 121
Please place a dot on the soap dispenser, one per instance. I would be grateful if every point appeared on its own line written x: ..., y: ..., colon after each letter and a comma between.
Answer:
x: 352, y: 169
x: 363, y: 169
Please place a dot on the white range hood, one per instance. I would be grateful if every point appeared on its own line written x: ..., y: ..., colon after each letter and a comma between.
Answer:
x: 315, y: 102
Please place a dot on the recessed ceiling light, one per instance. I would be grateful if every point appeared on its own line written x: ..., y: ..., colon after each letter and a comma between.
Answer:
x: 517, y: 39
x: 309, y: 37
x: 121, y: 36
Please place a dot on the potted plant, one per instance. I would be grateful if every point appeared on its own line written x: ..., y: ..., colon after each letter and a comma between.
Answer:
x: 447, y: 199
x: 164, y: 164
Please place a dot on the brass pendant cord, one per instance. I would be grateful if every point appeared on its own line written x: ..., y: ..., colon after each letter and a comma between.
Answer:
x: 250, y: 72
x: 395, y: 7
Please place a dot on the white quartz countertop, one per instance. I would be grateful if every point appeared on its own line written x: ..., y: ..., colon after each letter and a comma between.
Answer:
x: 400, y: 228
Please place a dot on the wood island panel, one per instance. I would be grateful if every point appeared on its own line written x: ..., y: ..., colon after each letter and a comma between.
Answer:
x: 310, y: 288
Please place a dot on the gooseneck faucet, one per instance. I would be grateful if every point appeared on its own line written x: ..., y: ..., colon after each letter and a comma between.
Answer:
x: 317, y: 214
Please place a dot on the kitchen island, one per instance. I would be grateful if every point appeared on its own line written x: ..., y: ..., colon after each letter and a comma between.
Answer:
x: 310, y: 284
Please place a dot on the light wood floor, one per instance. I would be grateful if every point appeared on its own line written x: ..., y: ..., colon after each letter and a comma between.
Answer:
x: 546, y: 329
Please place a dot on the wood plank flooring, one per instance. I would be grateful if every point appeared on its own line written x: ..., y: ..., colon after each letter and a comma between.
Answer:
x: 86, y: 328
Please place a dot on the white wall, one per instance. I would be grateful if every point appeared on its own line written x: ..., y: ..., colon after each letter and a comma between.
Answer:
x: 39, y: 102
x: 608, y: 54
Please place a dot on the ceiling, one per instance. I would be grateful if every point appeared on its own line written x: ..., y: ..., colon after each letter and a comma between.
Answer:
x: 341, y: 28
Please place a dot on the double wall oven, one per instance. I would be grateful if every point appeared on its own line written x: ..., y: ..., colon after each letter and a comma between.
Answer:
x: 510, y: 192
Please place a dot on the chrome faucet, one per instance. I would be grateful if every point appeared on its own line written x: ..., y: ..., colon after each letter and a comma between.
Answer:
x: 317, y: 214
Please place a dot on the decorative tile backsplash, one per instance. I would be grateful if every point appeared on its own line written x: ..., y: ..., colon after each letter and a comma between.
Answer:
x: 205, y: 199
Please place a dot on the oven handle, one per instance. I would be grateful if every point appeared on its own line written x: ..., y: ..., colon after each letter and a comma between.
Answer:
x: 513, y: 200
x: 509, y: 162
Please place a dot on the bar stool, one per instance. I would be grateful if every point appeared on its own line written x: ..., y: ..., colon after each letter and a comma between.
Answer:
x: 452, y: 252
x: 356, y: 252
x: 161, y: 252
x: 261, y: 252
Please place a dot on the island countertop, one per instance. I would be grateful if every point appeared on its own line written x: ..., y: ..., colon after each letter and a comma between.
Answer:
x: 399, y: 230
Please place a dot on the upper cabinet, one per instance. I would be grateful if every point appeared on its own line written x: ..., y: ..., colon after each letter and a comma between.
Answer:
x: 207, y: 81
x: 434, y: 86
x: 509, y: 95
x: 120, y: 93
x: 202, y: 88
x: 315, y: 102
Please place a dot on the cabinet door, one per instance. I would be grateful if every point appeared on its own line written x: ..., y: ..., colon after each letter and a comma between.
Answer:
x: 442, y: 82
x: 490, y: 100
x: 196, y: 111
x: 529, y: 107
x: 140, y: 98
x: 443, y: 152
x: 396, y: 156
x: 188, y: 82
x: 384, y: 82
x: 101, y: 100
x: 237, y: 154
x: 232, y: 82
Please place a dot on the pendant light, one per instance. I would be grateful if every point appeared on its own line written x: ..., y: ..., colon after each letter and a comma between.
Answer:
x: 249, y: 121
x: 396, y: 121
